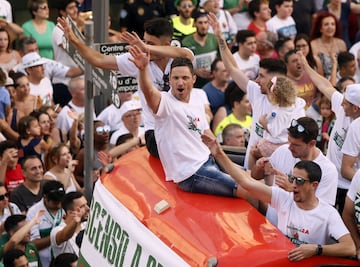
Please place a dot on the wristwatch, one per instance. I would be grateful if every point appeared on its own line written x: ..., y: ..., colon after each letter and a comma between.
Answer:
x: 319, y: 250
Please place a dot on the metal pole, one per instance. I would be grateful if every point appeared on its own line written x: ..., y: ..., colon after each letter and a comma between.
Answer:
x: 89, y: 120
x: 101, y: 12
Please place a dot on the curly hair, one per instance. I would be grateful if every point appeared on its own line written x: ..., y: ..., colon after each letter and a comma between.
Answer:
x: 317, y: 23
x: 284, y: 92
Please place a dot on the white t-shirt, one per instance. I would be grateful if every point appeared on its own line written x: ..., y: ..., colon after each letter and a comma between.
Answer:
x: 126, y: 67
x: 261, y: 105
x: 317, y: 226
x: 63, y: 121
x: 48, y: 222
x: 282, y: 27
x: 337, y: 137
x: 123, y: 130
x: 44, y: 89
x: 351, y: 145
x: 354, y: 190
x: 283, y: 160
x: 178, y: 129
x: 68, y: 246
x: 249, y: 67
x: 60, y: 55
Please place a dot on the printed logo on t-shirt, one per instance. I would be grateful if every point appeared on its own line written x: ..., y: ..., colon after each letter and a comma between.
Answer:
x: 293, y: 234
x: 259, y: 130
x: 357, y: 209
x: 339, y: 138
x: 193, y: 124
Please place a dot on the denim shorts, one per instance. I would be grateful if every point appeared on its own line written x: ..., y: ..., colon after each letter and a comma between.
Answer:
x: 209, y: 179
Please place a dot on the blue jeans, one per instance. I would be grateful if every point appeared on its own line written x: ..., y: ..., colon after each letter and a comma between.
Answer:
x: 209, y: 179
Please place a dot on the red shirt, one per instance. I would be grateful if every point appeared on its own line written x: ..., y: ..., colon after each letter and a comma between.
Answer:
x: 13, y: 178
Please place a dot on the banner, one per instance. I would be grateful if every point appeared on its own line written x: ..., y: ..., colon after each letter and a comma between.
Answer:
x: 115, y: 237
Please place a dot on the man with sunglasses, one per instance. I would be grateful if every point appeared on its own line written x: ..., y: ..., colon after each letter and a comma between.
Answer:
x: 6, y: 208
x: 347, y: 111
x: 302, y: 135
x: 53, y: 193
x: 183, y: 23
x: 310, y: 223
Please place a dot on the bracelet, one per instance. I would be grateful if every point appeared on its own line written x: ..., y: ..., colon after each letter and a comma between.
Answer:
x: 319, y: 249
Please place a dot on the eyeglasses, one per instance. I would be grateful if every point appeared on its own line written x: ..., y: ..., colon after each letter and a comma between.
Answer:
x: 166, y: 84
x: 103, y: 129
x: 133, y: 115
x: 43, y: 7
x: 298, y: 180
x: 299, y: 127
x: 186, y: 5
x: 2, y: 197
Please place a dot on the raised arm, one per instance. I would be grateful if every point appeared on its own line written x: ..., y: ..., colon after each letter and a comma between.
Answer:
x: 141, y: 60
x: 348, y: 217
x: 236, y: 74
x: 92, y: 56
x: 255, y: 188
x: 320, y: 82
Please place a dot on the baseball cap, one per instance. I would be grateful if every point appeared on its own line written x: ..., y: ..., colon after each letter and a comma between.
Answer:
x: 32, y: 59
x: 203, y: 2
x: 352, y: 94
x: 54, y: 190
x: 9, y: 82
x: 128, y: 106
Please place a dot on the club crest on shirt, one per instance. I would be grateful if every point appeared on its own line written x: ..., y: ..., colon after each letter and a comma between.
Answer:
x: 193, y: 124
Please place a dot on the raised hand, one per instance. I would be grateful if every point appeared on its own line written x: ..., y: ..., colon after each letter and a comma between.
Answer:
x: 214, y: 23
x: 211, y: 143
x: 140, y: 58
x: 65, y: 27
x: 134, y: 39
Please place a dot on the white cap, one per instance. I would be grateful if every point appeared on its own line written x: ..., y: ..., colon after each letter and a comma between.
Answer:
x: 32, y: 59
x: 352, y: 94
x: 9, y: 81
x: 202, y: 2
x: 128, y: 106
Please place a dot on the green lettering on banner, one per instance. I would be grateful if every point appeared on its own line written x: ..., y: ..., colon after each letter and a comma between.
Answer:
x: 124, y: 241
x: 137, y: 255
x: 106, y: 236
x: 94, y: 213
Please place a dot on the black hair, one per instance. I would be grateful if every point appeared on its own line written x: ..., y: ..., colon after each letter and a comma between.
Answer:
x: 232, y: 94
x: 254, y: 6
x: 311, y: 129
x: 11, y: 222
x: 11, y: 255
x: 281, y: 42
x: 123, y: 138
x: 51, y: 185
x: 7, y: 144
x: 198, y: 13
x: 67, y: 202
x: 242, y: 35
x: 64, y: 260
x: 274, y: 66
x: 280, y: 2
x: 159, y: 27
x: 344, y: 57
x: 288, y: 54
x: 182, y: 62
x: 214, y: 64
x: 312, y: 169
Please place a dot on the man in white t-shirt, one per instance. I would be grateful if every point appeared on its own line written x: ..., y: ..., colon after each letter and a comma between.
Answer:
x: 351, y: 216
x: 351, y: 147
x: 39, y: 84
x: 309, y: 222
x: 345, y: 113
x: 245, y: 57
x: 64, y: 237
x: 257, y: 91
x: 157, y: 37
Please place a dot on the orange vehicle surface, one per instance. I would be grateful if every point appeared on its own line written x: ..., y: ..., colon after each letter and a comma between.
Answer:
x: 201, y: 228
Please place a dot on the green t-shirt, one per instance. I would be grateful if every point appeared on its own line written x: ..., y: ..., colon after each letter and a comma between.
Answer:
x: 31, y: 253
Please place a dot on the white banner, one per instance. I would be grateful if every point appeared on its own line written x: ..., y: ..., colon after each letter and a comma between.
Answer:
x: 115, y: 237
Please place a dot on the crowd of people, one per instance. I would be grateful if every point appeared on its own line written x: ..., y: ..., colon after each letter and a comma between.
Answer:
x: 277, y: 79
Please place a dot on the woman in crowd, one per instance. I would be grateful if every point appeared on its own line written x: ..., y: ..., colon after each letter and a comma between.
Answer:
x: 326, y: 43
x: 40, y: 27
x: 57, y: 135
x: 44, y: 122
x: 60, y: 167
x: 24, y: 103
x: 8, y: 57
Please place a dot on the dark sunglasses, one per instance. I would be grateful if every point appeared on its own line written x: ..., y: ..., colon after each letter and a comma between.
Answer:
x: 166, y: 84
x: 2, y: 197
x: 298, y: 126
x: 298, y: 180
x: 56, y: 194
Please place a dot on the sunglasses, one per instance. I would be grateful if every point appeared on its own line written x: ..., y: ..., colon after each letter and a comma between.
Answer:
x: 2, y: 197
x: 166, y: 84
x: 56, y: 194
x: 298, y: 180
x: 186, y: 6
x: 299, y: 127
x: 103, y: 129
